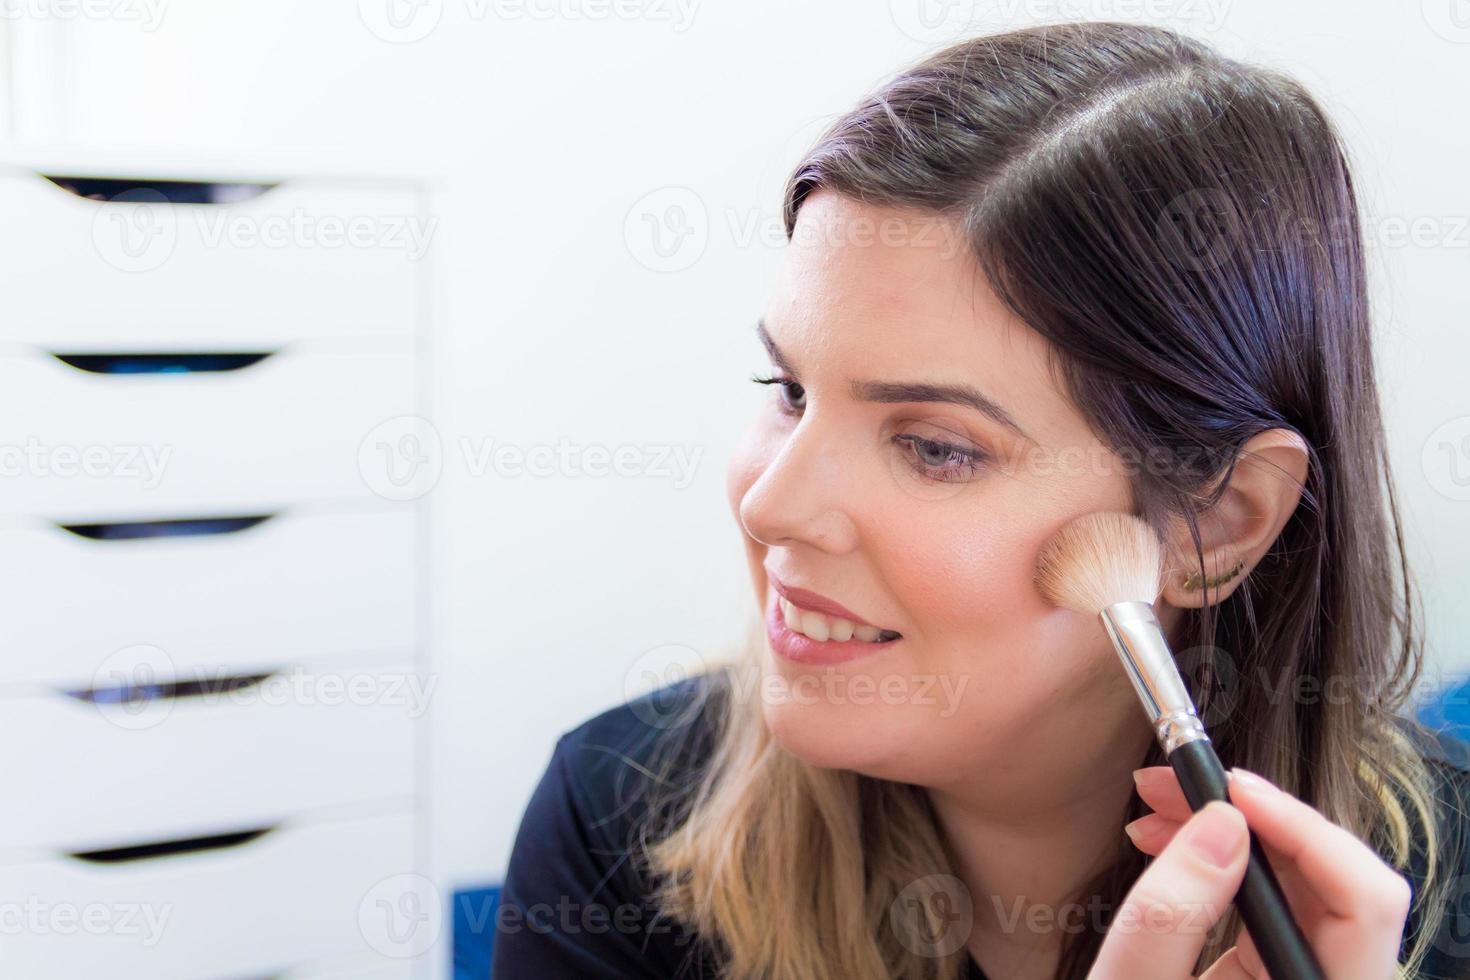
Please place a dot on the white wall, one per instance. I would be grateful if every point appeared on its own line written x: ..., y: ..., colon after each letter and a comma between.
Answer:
x: 543, y: 133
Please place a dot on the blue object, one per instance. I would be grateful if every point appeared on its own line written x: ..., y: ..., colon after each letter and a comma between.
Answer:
x: 474, y: 931
x: 1449, y: 711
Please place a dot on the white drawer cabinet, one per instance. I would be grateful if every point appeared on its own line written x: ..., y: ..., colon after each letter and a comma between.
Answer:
x: 241, y: 751
x: 283, y: 429
x: 305, y: 259
x: 299, y: 893
x: 210, y: 637
x: 292, y: 588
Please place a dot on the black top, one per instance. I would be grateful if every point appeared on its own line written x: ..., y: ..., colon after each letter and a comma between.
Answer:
x: 576, y: 905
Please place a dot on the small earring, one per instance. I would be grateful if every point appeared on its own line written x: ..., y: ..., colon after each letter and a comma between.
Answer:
x: 1193, y: 579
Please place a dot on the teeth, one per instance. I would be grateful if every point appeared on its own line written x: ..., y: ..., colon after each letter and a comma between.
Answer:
x: 821, y: 627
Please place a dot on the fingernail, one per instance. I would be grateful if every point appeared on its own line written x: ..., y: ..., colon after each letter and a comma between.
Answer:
x: 1150, y: 775
x: 1131, y: 828
x: 1215, y: 835
x: 1248, y: 778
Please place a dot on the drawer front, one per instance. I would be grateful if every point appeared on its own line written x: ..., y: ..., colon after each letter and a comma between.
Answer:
x: 296, y: 894
x: 302, y: 260
x: 89, y: 439
x: 240, y: 751
x: 292, y: 587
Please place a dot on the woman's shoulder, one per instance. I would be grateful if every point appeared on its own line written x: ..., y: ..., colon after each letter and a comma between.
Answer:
x: 576, y: 901
x: 658, y: 740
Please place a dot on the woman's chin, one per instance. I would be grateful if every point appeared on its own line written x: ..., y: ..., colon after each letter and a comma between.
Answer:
x: 863, y: 738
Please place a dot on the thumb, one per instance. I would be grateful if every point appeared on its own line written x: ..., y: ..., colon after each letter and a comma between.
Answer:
x: 1163, y: 922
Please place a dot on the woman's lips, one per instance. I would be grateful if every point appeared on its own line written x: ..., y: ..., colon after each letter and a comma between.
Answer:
x: 803, y: 649
x: 806, y: 599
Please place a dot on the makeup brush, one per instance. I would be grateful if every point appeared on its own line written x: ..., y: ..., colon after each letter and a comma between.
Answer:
x: 1110, y: 565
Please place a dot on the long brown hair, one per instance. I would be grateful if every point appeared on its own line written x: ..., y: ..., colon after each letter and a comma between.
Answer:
x: 1183, y: 229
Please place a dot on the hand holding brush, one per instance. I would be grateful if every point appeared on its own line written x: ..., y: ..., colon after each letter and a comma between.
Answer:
x: 1110, y: 565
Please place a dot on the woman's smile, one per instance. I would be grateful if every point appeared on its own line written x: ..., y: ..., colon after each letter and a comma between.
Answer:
x: 805, y: 642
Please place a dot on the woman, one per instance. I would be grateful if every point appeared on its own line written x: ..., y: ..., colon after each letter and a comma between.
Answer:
x: 1067, y: 269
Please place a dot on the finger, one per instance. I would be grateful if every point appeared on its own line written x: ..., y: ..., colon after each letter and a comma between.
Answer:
x: 1152, y: 832
x: 1233, y: 964
x: 1163, y: 922
x: 1159, y: 787
x: 1151, y: 835
x: 1343, y: 873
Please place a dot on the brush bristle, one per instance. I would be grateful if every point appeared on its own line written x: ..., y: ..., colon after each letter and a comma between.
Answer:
x: 1099, y: 559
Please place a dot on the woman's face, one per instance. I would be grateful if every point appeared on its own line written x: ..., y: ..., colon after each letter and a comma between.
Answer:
x: 844, y: 487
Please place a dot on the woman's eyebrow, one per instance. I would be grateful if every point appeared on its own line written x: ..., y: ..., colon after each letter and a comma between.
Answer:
x: 908, y: 391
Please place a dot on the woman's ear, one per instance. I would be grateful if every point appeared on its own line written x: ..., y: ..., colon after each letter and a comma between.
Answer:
x: 1263, y: 491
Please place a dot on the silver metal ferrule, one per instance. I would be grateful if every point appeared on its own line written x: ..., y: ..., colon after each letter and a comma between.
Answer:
x: 1139, y: 640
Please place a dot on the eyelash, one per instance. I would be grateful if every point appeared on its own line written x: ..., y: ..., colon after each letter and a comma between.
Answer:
x: 966, y: 464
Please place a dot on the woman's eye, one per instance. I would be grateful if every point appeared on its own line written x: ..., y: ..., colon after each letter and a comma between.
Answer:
x: 792, y: 395
x: 943, y: 461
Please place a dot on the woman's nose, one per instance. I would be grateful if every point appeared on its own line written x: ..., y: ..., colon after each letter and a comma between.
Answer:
x: 806, y: 493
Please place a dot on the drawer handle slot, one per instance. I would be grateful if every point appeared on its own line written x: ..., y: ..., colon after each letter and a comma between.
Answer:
x: 166, y: 848
x: 144, y: 189
x: 176, y: 690
x: 162, y: 363
x: 186, y: 527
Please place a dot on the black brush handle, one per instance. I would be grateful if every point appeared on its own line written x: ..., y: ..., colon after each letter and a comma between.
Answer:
x: 1268, y: 919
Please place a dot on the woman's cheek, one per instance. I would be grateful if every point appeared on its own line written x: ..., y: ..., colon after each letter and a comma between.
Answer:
x: 958, y: 576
